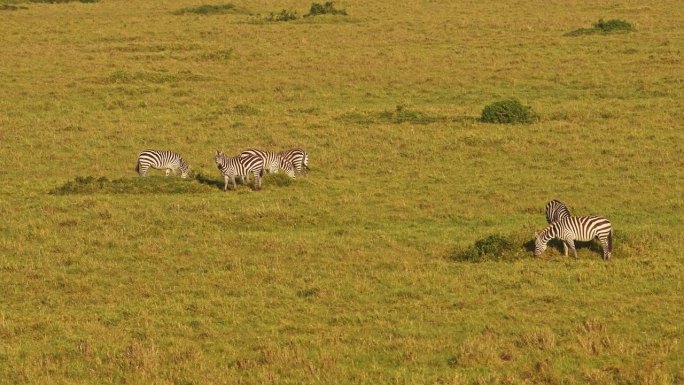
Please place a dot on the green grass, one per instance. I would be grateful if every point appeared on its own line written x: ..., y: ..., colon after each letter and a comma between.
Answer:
x: 349, y: 274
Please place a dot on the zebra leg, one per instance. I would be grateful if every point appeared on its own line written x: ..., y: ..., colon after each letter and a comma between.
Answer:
x: 565, y: 248
x: 257, y: 182
x: 143, y: 171
x: 225, y: 183
x: 167, y: 172
x: 232, y: 179
x: 571, y: 243
x: 606, y: 249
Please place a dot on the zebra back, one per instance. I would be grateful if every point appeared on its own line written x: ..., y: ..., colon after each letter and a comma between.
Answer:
x: 556, y: 210
x: 271, y: 159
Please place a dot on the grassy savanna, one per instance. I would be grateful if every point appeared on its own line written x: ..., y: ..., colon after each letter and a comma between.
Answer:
x: 347, y: 274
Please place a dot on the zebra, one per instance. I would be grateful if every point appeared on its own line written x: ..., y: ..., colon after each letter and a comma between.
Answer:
x: 555, y: 211
x: 299, y: 159
x: 583, y: 229
x: 230, y: 167
x: 273, y: 161
x: 161, y: 160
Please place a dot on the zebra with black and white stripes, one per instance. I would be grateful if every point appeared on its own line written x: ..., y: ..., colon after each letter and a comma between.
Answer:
x: 161, y: 160
x: 571, y: 229
x: 273, y: 161
x: 299, y: 159
x: 555, y: 211
x: 242, y: 166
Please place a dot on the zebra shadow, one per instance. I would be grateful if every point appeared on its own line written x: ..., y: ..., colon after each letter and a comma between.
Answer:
x: 218, y: 183
x: 200, y: 178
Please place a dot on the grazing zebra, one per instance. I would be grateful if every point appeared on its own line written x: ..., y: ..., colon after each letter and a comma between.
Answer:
x: 299, y: 159
x: 555, y: 211
x: 273, y: 161
x: 230, y: 167
x: 161, y: 160
x: 570, y: 229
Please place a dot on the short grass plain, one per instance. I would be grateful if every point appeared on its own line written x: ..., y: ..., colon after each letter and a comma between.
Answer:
x: 346, y: 275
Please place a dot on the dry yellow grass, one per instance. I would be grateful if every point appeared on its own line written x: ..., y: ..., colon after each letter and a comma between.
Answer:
x: 344, y: 276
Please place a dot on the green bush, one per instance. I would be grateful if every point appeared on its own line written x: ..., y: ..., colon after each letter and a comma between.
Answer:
x: 325, y: 9
x: 604, y: 27
x: 508, y: 111
x: 492, y: 248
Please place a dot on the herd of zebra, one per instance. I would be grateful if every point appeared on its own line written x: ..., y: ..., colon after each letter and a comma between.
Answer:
x: 569, y: 229
x: 562, y: 225
x: 248, y: 161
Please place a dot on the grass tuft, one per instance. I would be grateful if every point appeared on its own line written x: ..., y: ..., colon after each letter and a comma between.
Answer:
x: 397, y: 116
x: 492, y: 248
x: 509, y: 111
x: 604, y: 27
x: 277, y: 179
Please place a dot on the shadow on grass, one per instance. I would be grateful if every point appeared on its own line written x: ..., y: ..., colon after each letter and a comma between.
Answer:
x: 200, y: 178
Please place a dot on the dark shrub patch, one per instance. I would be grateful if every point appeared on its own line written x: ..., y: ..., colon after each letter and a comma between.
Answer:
x: 62, y: 1
x: 134, y: 185
x: 210, y: 9
x: 283, y: 15
x: 508, y: 111
x: 11, y: 7
x: 325, y: 9
x: 492, y: 248
x: 604, y: 27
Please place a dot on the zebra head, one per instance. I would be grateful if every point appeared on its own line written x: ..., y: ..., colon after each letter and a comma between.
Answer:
x: 539, y: 244
x: 220, y: 159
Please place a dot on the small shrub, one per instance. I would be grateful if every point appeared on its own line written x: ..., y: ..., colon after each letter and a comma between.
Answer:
x: 613, y: 25
x: 604, y: 27
x: 508, y: 111
x: 283, y: 15
x: 325, y: 9
x: 492, y: 248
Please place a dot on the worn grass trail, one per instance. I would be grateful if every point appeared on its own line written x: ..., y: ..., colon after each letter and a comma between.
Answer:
x: 346, y: 275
